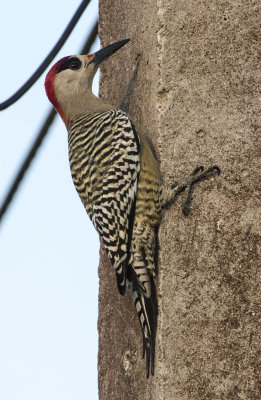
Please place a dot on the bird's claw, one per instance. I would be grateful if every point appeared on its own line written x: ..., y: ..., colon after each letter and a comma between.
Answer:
x: 197, y: 175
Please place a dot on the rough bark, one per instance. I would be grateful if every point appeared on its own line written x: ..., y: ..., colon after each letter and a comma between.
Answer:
x: 197, y: 98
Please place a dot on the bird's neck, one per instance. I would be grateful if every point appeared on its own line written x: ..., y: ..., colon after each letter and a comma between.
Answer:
x: 81, y: 105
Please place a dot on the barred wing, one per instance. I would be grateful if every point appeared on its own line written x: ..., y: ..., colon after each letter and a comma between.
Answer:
x: 113, y: 214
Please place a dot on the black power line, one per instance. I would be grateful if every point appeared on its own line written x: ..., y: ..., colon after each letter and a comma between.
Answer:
x: 41, y: 135
x: 27, y: 162
x: 28, y: 84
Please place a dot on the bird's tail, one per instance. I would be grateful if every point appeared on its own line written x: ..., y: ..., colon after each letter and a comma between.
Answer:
x: 146, y: 309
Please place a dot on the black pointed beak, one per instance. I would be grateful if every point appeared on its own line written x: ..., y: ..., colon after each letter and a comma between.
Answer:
x: 107, y: 51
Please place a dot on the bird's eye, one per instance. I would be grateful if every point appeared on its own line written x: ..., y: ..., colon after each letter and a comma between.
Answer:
x: 75, y: 63
x: 70, y: 63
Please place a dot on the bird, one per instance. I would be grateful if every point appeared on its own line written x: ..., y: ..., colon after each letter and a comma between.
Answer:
x: 118, y: 181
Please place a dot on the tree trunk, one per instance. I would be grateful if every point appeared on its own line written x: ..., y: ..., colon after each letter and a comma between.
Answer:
x: 196, y: 98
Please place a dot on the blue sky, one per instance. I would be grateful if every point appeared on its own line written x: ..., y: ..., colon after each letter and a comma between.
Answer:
x: 49, y: 251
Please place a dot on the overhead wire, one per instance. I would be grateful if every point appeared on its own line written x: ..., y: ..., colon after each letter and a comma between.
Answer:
x: 39, y: 138
x: 47, y: 61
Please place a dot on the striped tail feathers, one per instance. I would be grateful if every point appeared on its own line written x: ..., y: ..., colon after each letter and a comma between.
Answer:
x: 148, y: 339
x: 120, y: 265
x: 146, y: 309
x: 121, y: 272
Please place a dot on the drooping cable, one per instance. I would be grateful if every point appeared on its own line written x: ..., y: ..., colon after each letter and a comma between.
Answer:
x: 41, y: 135
x: 18, y: 179
x: 40, y: 70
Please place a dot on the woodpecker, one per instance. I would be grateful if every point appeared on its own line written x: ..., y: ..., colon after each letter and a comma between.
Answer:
x: 118, y: 180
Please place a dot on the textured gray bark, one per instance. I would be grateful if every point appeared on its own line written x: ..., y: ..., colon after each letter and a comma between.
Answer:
x: 197, y: 98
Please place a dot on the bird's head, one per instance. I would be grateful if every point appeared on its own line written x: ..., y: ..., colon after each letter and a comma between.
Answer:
x: 68, y: 84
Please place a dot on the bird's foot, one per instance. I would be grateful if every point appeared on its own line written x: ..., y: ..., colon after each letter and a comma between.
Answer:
x: 199, y: 174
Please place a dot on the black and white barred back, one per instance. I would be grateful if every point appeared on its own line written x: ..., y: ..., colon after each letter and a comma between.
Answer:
x: 104, y: 160
x: 104, y: 154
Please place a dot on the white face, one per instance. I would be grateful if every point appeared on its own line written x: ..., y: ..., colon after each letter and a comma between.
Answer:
x: 74, y: 81
x: 68, y: 84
